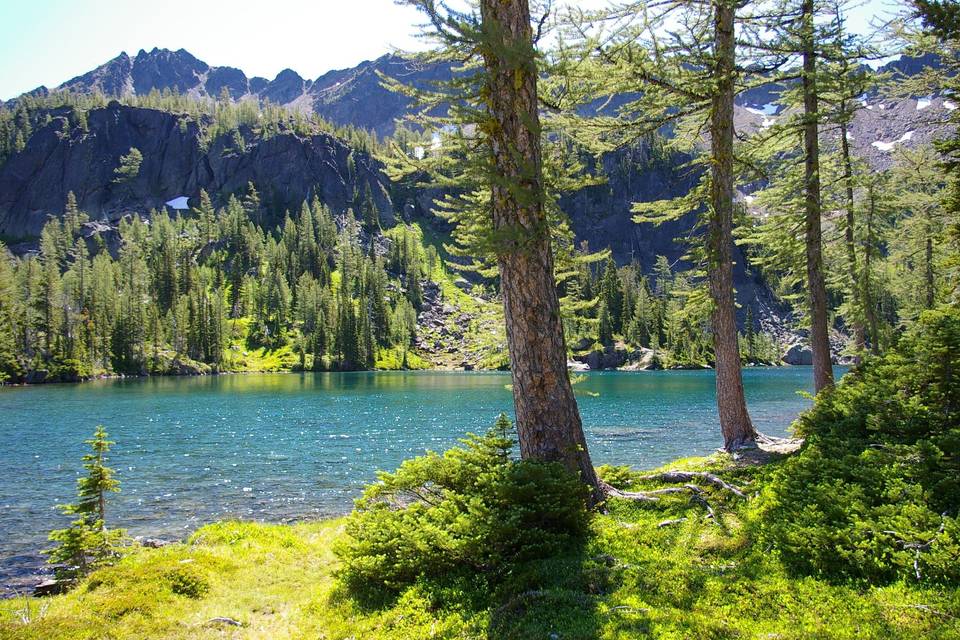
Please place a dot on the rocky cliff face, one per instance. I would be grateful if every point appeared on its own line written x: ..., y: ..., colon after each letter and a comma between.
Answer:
x: 286, y: 168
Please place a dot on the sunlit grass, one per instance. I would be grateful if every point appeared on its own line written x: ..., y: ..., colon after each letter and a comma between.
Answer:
x: 699, y: 578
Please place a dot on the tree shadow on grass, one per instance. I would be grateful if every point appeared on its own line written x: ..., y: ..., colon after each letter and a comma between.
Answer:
x: 554, y: 597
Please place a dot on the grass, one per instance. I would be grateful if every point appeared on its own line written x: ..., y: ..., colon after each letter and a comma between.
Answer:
x: 239, y: 357
x: 700, y: 578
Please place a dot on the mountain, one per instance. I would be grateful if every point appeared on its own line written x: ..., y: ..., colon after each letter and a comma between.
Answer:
x: 177, y: 162
x: 346, y: 96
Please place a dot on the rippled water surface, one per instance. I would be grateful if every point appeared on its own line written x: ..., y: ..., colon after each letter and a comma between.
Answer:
x: 289, y: 446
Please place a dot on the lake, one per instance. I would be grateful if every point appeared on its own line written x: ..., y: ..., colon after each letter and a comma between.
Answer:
x: 281, y: 447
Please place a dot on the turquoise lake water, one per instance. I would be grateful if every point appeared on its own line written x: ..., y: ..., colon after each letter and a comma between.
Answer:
x: 281, y: 447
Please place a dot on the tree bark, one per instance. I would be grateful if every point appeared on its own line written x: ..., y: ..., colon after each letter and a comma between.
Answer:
x: 859, y: 334
x: 735, y: 423
x: 869, y: 305
x: 816, y: 287
x: 928, y: 282
x: 548, y: 420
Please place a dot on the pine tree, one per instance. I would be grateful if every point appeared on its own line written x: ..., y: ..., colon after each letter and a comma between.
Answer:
x: 87, y: 543
x: 128, y: 166
x: 688, y: 80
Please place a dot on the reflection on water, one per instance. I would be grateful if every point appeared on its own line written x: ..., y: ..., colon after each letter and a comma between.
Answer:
x: 286, y: 446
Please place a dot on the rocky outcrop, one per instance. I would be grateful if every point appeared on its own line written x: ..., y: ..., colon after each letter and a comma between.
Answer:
x: 286, y: 168
x: 615, y: 357
x: 798, y: 354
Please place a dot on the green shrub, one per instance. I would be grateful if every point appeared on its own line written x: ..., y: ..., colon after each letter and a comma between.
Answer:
x: 188, y: 583
x: 617, y: 476
x: 473, y: 511
x: 874, y: 494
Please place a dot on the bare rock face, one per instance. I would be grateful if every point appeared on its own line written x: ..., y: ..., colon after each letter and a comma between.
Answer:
x: 798, y: 354
x: 286, y: 87
x: 286, y: 169
x: 232, y: 78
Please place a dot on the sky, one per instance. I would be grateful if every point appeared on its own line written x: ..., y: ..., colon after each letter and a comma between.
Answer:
x: 46, y: 42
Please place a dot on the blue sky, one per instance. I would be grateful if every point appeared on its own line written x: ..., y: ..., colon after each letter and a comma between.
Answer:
x: 50, y: 41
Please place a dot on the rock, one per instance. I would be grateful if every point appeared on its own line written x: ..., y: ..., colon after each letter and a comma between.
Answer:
x: 608, y: 358
x: 50, y: 587
x: 581, y: 344
x: 798, y: 354
x: 185, y: 367
x: 36, y: 376
x: 152, y: 543
x: 573, y: 365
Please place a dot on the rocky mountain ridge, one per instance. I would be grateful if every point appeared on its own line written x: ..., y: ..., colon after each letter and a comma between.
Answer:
x: 176, y: 164
x: 352, y: 96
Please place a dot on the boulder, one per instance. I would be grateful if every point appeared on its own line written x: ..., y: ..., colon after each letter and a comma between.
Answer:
x: 798, y: 354
x: 50, y: 587
x: 152, y: 543
x: 581, y: 344
x: 607, y: 358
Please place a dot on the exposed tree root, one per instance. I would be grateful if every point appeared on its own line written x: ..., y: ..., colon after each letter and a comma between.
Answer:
x: 687, y: 476
x: 696, y: 495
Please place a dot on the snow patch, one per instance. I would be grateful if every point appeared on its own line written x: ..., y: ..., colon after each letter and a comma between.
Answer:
x: 179, y: 203
x: 949, y: 106
x: 769, y: 109
x: 923, y: 103
x: 888, y: 146
x: 766, y: 111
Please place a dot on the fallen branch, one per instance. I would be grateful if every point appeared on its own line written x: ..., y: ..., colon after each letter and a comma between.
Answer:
x: 668, y: 523
x: 918, y: 547
x: 925, y: 608
x: 224, y: 620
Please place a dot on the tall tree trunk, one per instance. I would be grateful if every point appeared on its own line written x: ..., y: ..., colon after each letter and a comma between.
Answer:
x: 928, y: 284
x: 817, y: 290
x: 859, y: 334
x: 548, y: 420
x: 869, y: 306
x: 735, y: 423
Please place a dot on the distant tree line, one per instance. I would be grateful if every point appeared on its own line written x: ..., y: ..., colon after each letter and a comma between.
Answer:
x: 181, y: 289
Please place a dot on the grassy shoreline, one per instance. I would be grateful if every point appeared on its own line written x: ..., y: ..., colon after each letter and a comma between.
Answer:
x: 699, y: 577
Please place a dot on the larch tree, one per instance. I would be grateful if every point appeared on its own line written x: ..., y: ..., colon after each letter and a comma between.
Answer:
x: 678, y: 62
x: 494, y: 106
x: 816, y: 285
